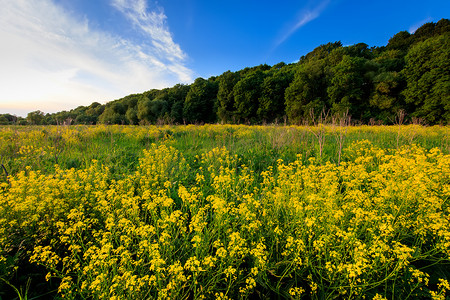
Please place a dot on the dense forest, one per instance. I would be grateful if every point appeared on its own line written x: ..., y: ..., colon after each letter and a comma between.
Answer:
x: 410, y: 74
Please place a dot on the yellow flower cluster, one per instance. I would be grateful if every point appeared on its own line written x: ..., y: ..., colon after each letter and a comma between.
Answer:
x: 374, y: 226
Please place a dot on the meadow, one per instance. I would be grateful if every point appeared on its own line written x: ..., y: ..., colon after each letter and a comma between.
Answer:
x: 224, y: 212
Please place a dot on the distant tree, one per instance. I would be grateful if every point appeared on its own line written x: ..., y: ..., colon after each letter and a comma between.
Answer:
x: 278, y: 66
x: 410, y: 72
x: 271, y: 103
x: 8, y: 119
x: 93, y: 112
x: 335, y: 56
x: 424, y: 32
x: 144, y: 113
x: 86, y: 119
x: 150, y: 111
x: 225, y: 96
x: 427, y: 75
x: 49, y: 119
x: 321, y: 52
x: 442, y: 26
x: 308, y: 90
x: 390, y: 61
x: 176, y: 112
x: 131, y: 116
x: 200, y: 101
x: 246, y: 95
x: 263, y: 67
x: 158, y: 109
x: 114, y: 113
x: 386, y: 99
x: 4, y: 120
x: 175, y: 101
x: 35, y: 117
x: 400, y: 41
x: 346, y: 90
x: 359, y: 50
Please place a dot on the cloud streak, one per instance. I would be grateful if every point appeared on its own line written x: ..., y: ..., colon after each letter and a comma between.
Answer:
x: 306, y: 16
x: 415, y: 26
x: 52, y: 61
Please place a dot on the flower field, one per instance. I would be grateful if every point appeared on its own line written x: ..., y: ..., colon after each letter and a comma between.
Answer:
x: 225, y: 212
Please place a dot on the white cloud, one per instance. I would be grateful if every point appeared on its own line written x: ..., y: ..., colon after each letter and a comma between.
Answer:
x: 305, y: 16
x: 152, y: 23
x: 51, y: 60
x: 415, y: 26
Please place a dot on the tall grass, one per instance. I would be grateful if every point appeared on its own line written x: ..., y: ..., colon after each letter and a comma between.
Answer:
x: 226, y: 212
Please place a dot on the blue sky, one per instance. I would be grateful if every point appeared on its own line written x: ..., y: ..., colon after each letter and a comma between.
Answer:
x: 58, y: 54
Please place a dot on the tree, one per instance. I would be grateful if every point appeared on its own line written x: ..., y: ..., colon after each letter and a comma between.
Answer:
x: 143, y: 110
x: 386, y: 99
x: 390, y: 61
x: 131, y: 116
x: 308, y: 90
x: 427, y: 75
x: 359, y: 50
x: 199, y: 105
x: 271, y: 103
x: 150, y: 111
x: 114, y: 113
x: 442, y: 26
x: 93, y: 111
x: 8, y: 119
x: 158, y: 109
x: 246, y: 95
x: 400, y: 41
x: 424, y: 32
x: 321, y: 52
x: 35, y: 117
x: 225, y: 96
x: 175, y: 101
x: 4, y: 120
x: 347, y: 88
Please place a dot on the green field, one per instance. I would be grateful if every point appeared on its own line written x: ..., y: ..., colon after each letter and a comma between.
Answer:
x: 224, y: 211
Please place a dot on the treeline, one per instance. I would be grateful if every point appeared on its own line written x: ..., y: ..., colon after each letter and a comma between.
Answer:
x: 411, y: 74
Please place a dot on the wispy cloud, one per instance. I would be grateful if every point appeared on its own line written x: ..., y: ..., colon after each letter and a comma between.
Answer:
x: 52, y: 60
x: 306, y: 15
x: 415, y: 26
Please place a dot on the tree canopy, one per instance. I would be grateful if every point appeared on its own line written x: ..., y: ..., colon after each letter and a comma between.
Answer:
x: 411, y: 73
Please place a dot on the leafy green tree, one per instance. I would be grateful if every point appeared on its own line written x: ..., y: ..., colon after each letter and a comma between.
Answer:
x: 400, y: 41
x: 35, y: 117
x: 150, y: 111
x: 176, y: 112
x: 427, y: 75
x: 175, y: 101
x: 93, y: 111
x: 4, y: 120
x: 390, y: 61
x: 131, y: 116
x: 442, y: 26
x: 246, y: 96
x: 308, y: 90
x: 347, y: 87
x: 271, y: 103
x: 321, y: 52
x: 386, y: 99
x: 114, y: 113
x: 359, y: 50
x: 144, y: 111
x: 158, y: 109
x: 225, y: 96
x: 8, y: 119
x: 199, y: 105
x: 424, y: 32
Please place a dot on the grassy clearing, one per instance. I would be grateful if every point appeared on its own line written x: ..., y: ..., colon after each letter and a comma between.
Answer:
x: 211, y: 211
